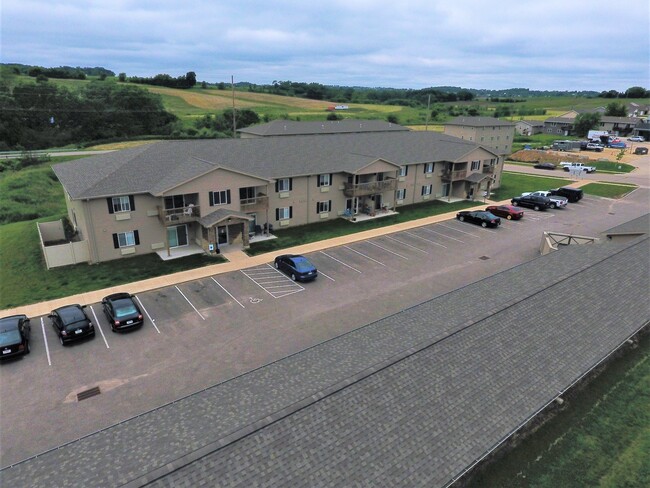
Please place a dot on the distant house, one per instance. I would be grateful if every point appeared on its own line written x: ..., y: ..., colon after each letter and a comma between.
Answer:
x: 529, y: 127
x: 296, y: 128
x: 638, y: 110
x: 622, y: 126
x: 560, y: 126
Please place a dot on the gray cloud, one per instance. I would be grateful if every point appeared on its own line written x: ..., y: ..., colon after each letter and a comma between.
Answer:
x: 565, y: 45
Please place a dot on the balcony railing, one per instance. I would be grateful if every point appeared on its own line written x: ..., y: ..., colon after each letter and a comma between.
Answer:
x: 488, y: 170
x: 369, y: 188
x: 454, y: 175
x: 181, y: 215
x: 260, y: 202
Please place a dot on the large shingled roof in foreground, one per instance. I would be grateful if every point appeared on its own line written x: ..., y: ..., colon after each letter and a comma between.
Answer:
x: 410, y: 400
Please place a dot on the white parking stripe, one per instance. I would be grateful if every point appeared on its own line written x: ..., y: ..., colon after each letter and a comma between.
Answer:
x: 229, y: 294
x: 99, y: 327
x: 365, y: 256
x: 328, y: 277
x: 47, y: 349
x: 153, y: 322
x: 387, y: 250
x: 269, y: 276
x: 407, y: 244
x: 191, y: 305
x: 443, y: 235
x: 338, y: 261
x: 458, y: 230
x: 424, y: 239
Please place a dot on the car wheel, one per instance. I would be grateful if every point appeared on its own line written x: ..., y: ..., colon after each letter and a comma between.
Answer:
x: 509, y: 217
x: 293, y: 276
x: 61, y: 341
x: 515, y: 203
x: 483, y: 224
x: 461, y: 218
x: 277, y: 265
x: 553, y: 205
x: 27, y: 349
x: 536, y: 208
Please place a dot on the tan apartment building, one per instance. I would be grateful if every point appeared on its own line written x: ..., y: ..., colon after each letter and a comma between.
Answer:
x: 214, y: 193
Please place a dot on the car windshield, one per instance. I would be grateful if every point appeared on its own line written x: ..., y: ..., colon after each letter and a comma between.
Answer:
x: 9, y: 337
x: 72, y: 316
x: 124, y: 308
x: 303, y: 264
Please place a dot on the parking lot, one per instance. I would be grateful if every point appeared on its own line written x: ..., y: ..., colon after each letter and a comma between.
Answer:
x: 203, y: 332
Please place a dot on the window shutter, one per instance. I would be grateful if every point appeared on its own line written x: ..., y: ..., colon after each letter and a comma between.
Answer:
x: 136, y: 237
x: 331, y: 179
x: 277, y: 186
x: 329, y: 206
x: 290, y: 184
x: 290, y: 211
x: 116, y: 242
x: 110, y: 205
x: 318, y: 181
x: 406, y: 170
x: 228, y: 196
x: 277, y: 213
x: 211, y: 195
x: 317, y: 207
x: 132, y: 202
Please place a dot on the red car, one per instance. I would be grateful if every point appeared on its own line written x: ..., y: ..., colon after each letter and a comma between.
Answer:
x: 509, y: 212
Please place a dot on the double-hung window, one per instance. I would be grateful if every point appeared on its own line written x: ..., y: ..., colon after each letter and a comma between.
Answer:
x: 403, y: 170
x: 428, y: 167
x: 126, y: 239
x: 476, y: 165
x: 124, y: 203
x: 426, y: 190
x: 283, y: 213
x: 283, y: 184
x: 322, y: 207
x: 400, y: 194
x: 221, y: 197
x: 325, y: 180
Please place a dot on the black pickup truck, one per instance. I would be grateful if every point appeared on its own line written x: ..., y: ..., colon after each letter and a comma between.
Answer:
x: 532, y: 201
x: 572, y: 194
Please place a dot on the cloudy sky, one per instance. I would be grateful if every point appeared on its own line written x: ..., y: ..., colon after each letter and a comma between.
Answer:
x: 542, y: 45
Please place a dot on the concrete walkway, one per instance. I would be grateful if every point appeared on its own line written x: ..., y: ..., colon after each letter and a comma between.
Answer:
x: 237, y: 260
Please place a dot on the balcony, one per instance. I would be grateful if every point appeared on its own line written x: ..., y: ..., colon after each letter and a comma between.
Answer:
x: 369, y: 188
x: 488, y: 170
x: 181, y: 215
x: 454, y: 175
x: 260, y: 202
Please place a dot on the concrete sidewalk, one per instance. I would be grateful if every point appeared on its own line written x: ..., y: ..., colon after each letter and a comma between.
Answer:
x: 237, y: 260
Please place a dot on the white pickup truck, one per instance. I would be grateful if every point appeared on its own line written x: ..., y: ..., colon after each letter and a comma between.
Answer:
x: 568, y: 166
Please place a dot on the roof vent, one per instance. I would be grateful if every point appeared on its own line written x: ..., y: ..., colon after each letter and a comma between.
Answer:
x: 484, y: 258
x: 88, y: 393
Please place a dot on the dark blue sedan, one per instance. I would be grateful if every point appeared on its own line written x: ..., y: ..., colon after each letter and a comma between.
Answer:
x: 482, y: 218
x: 297, y: 267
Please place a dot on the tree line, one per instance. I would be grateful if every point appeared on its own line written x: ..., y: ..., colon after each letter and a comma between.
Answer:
x: 42, y: 115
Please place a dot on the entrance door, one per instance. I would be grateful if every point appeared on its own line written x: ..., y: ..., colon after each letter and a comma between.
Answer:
x: 177, y: 236
x: 252, y: 223
x: 222, y: 235
x: 445, y: 189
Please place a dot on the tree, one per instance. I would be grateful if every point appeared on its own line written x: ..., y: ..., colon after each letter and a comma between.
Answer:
x: 392, y: 119
x: 637, y: 92
x: 585, y: 122
x: 122, y: 77
x: 190, y: 78
x: 616, y: 109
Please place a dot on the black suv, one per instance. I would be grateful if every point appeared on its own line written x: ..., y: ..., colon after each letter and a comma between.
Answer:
x: 532, y: 201
x: 571, y: 194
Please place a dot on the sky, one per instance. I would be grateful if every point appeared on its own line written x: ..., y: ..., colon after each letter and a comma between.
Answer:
x: 567, y: 45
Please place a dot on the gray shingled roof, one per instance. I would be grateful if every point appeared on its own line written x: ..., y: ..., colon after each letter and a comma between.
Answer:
x: 479, y: 122
x: 158, y: 167
x: 293, y: 128
x: 410, y: 400
x: 640, y: 225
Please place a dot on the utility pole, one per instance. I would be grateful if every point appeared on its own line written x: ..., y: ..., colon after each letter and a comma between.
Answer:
x: 234, y: 119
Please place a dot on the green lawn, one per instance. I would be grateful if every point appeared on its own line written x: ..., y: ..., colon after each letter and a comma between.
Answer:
x: 608, y: 190
x: 514, y: 184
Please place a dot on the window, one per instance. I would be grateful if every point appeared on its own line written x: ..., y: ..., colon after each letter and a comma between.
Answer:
x: 283, y: 213
x: 428, y: 167
x: 126, y: 239
x: 403, y: 171
x: 322, y: 207
x: 426, y: 190
x: 121, y: 204
x: 324, y: 180
x: 400, y: 194
x: 283, y: 184
x: 476, y: 165
x: 219, y: 197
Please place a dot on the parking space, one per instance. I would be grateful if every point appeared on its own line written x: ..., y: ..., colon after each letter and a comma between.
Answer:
x: 201, y: 332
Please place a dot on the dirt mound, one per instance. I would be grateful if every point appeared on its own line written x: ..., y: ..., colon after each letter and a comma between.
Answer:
x: 539, y: 156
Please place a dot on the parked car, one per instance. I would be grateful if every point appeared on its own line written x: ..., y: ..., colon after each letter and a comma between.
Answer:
x: 636, y: 139
x: 592, y: 146
x: 557, y: 201
x: 480, y: 217
x: 71, y: 323
x: 618, y: 145
x: 641, y: 150
x: 297, y: 267
x: 15, y: 332
x: 544, y: 166
x: 569, y: 165
x: 532, y: 201
x: 572, y: 194
x: 507, y: 211
x: 122, y: 311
